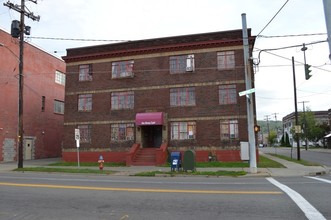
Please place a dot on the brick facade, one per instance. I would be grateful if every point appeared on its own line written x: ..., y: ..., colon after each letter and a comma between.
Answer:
x: 43, y: 129
x: 151, y: 85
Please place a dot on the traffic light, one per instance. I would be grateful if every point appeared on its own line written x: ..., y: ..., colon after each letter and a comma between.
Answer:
x: 307, y: 71
x: 257, y: 128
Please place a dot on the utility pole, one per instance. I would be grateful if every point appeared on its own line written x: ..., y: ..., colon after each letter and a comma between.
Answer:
x: 296, y: 110
x: 305, y: 123
x: 250, y: 101
x: 22, y: 30
x: 267, y: 118
x: 275, y: 114
x: 327, y: 9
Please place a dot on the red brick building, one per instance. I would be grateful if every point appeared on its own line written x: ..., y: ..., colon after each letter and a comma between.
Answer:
x: 174, y: 93
x: 43, y: 101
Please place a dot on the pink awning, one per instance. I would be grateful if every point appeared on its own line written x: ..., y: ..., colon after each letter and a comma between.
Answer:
x: 149, y: 118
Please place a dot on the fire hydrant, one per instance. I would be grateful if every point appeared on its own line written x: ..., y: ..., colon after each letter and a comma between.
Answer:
x: 101, y: 161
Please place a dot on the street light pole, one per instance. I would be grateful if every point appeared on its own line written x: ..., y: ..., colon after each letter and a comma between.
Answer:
x: 249, y: 105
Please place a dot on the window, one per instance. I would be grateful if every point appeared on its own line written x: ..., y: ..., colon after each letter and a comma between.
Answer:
x: 229, y: 129
x: 225, y: 60
x: 181, y: 64
x: 122, y: 132
x: 183, y: 130
x: 85, y: 102
x: 122, y: 100
x: 60, y: 78
x: 122, y: 69
x: 58, y: 107
x: 227, y: 94
x: 85, y: 72
x: 85, y: 133
x: 182, y: 96
x: 43, y: 101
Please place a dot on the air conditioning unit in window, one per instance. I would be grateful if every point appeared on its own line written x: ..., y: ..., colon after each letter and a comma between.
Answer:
x: 189, y: 69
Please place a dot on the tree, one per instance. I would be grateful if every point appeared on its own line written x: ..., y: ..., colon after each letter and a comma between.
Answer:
x: 282, y: 141
x: 312, y: 130
x: 272, y: 138
x: 287, y: 140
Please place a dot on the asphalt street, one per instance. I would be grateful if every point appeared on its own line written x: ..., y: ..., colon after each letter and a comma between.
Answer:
x: 63, y: 196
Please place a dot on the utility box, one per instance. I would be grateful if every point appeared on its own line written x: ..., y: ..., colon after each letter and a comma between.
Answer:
x: 189, y: 160
x: 244, y: 150
x: 176, y: 161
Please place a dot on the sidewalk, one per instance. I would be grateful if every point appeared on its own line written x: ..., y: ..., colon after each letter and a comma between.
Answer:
x: 292, y: 169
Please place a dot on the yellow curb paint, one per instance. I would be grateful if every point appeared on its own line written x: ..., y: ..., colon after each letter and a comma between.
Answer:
x: 144, y: 190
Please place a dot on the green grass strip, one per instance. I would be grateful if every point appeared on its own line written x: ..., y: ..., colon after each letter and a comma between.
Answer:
x: 265, y: 162
x: 87, y: 164
x: 197, y: 173
x: 64, y: 170
x: 302, y: 162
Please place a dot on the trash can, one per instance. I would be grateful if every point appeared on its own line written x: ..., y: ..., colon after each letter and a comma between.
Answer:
x: 176, y: 161
x: 189, y: 160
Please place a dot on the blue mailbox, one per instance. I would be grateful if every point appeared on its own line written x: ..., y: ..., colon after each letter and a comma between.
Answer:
x: 176, y: 161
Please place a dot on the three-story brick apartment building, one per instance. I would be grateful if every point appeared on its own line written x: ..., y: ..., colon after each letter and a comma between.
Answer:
x: 173, y: 93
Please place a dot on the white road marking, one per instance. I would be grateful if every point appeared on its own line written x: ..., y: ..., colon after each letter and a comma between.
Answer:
x: 310, y: 211
x: 320, y: 179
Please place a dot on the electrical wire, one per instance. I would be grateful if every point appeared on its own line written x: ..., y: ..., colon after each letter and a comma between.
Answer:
x: 75, y: 39
x: 292, y: 35
x: 273, y: 18
x: 282, y: 48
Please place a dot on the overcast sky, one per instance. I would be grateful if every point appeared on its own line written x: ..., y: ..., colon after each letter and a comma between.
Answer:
x: 145, y: 19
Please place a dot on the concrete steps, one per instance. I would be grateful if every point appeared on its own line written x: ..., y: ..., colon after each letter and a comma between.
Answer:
x: 145, y: 157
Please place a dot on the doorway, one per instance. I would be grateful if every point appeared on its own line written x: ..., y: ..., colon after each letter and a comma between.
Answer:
x: 151, y: 136
x: 28, y: 149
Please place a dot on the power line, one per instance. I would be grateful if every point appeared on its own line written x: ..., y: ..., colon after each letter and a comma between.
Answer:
x: 287, y: 47
x: 75, y: 39
x: 292, y: 35
x: 273, y: 18
x: 109, y: 40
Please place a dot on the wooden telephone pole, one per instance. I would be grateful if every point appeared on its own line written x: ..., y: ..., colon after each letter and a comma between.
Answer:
x: 22, y: 30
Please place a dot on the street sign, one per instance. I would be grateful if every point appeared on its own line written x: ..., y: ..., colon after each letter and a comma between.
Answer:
x: 246, y: 92
x: 77, y: 138
x: 77, y: 134
x: 297, y: 129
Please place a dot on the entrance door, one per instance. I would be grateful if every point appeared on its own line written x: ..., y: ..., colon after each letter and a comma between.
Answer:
x: 151, y: 136
x: 28, y: 149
